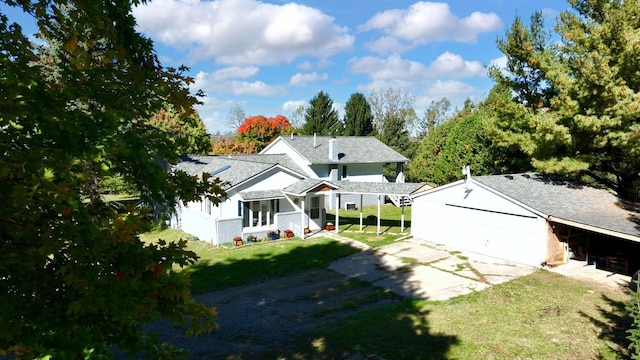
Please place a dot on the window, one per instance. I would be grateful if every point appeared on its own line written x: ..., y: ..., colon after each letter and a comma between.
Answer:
x: 314, y: 207
x: 259, y: 213
x: 344, y: 171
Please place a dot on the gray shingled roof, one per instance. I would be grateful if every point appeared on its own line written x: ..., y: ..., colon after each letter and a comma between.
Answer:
x: 232, y: 169
x: 356, y: 187
x: 351, y: 149
x: 303, y: 186
x: 262, y: 194
x: 562, y: 199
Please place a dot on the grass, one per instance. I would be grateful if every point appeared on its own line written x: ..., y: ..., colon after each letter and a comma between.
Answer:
x: 541, y: 316
x: 220, y: 267
x: 390, y: 216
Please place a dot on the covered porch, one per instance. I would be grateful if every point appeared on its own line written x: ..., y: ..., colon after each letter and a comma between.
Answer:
x: 401, y: 191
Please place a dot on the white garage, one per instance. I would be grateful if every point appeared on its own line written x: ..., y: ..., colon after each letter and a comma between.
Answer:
x: 471, y: 216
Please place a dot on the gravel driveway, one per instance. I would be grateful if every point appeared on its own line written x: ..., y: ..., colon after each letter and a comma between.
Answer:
x: 264, y: 315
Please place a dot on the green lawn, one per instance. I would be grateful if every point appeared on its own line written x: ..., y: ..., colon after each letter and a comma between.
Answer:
x: 389, y: 219
x: 220, y: 267
x: 540, y: 316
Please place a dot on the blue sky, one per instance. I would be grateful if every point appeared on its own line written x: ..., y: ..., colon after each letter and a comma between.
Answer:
x: 270, y: 57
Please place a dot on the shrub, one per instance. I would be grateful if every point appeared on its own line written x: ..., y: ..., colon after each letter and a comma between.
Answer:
x: 633, y: 307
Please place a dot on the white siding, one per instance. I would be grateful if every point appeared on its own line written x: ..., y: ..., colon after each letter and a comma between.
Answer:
x: 474, y: 219
x: 363, y: 172
x: 281, y: 147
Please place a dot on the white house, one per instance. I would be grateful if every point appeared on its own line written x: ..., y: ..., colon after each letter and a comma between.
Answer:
x: 287, y: 187
x: 532, y: 219
x: 342, y: 158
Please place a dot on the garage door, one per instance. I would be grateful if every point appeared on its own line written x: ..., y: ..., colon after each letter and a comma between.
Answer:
x: 516, y: 238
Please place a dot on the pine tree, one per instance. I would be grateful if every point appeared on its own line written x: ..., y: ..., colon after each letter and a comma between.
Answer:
x: 581, y: 93
x: 358, y: 120
x: 321, y: 118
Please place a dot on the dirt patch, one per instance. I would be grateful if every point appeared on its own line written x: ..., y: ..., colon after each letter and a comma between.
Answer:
x: 376, y: 238
x: 263, y: 315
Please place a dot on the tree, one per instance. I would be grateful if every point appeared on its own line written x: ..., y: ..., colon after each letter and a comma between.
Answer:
x: 76, y: 279
x: 358, y: 120
x: 434, y: 115
x: 236, y: 116
x: 260, y: 131
x: 525, y: 71
x: 463, y: 140
x: 392, y: 103
x: 321, y: 118
x: 395, y: 134
x: 591, y: 125
x: 184, y: 129
x: 296, y: 116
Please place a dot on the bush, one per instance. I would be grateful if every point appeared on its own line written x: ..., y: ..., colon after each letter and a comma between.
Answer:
x: 633, y: 307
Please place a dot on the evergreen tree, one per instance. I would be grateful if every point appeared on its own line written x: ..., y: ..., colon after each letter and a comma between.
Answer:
x: 358, y: 119
x: 591, y: 79
x: 321, y: 118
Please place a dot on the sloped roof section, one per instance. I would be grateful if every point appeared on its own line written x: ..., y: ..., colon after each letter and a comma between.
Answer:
x: 563, y: 199
x: 262, y: 194
x: 350, y: 149
x: 232, y: 169
x: 307, y: 185
x: 377, y: 188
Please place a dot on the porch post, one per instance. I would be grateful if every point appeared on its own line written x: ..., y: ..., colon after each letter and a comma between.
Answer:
x: 402, y: 216
x: 337, y: 213
x: 360, y: 212
x: 378, y: 214
x: 302, y: 217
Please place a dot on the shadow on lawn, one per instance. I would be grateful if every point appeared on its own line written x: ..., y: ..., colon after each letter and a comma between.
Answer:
x: 613, y: 325
x: 291, y: 306
x: 207, y: 276
x: 400, y: 331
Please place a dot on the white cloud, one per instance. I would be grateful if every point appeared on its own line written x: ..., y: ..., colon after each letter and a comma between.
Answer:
x: 213, y: 114
x: 305, y: 65
x: 455, y: 91
x: 548, y: 13
x: 293, y: 105
x: 385, y: 84
x: 450, y: 65
x: 235, y: 72
x: 425, y: 22
x: 242, y: 31
x: 447, y: 65
x: 217, y: 82
x: 387, y: 45
x: 392, y: 67
x: 301, y: 79
x: 339, y: 108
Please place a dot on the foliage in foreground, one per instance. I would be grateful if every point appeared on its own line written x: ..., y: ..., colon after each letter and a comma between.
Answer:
x: 76, y: 279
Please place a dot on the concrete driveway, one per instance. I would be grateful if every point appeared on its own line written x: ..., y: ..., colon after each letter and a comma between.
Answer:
x: 418, y: 269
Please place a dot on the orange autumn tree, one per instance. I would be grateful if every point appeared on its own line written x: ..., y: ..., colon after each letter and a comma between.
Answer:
x: 254, y: 134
